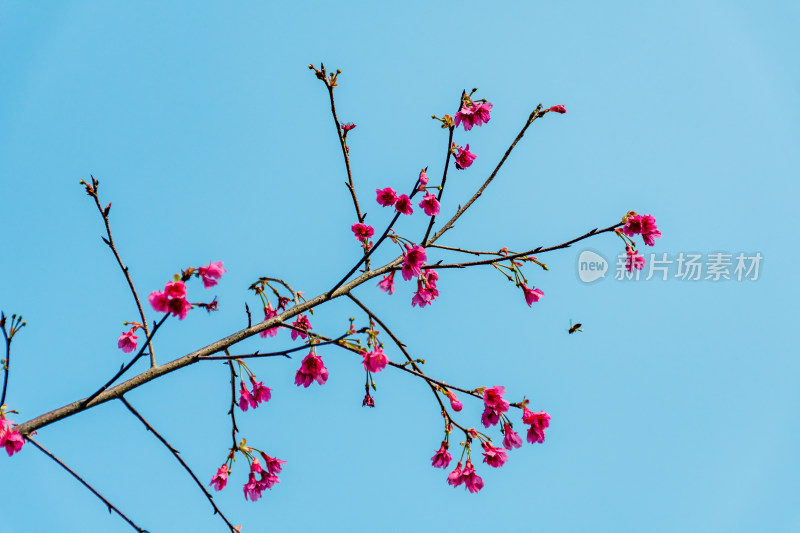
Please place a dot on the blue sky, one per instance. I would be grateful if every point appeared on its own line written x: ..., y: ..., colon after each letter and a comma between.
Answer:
x: 675, y: 409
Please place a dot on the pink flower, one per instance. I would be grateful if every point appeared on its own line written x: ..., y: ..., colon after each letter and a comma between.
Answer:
x: 471, y: 480
x: 464, y: 157
x: 430, y: 205
x: 494, y: 405
x: 179, y: 307
x: 442, y: 457
x: 454, y: 478
x: 387, y: 283
x: 246, y: 399
x: 495, y: 457
x: 425, y: 294
x: 403, y: 205
x: 220, y: 479
x: 375, y: 361
x: 538, y: 422
x: 211, y: 273
x: 368, y: 401
x: 472, y: 114
x: 175, y: 289
x: 347, y: 126
x: 454, y: 401
x: 301, y: 323
x: 362, y: 231
x: 512, y: 439
x: 387, y: 196
x: 312, y: 369
x: 413, y: 259
x: 634, y: 259
x: 558, y: 109
x: 423, y: 179
x: 267, y: 481
x: 12, y: 441
x: 273, y: 464
x: 260, y: 392
x: 642, y: 224
x: 269, y: 312
x: 127, y: 341
x: 158, y: 300
x: 531, y: 294
x: 252, y: 488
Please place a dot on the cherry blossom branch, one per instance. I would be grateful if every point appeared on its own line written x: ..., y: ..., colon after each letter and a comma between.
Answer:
x: 176, y: 453
x: 125, y: 368
x: 296, y: 295
x: 110, y: 506
x: 539, y: 250
x: 283, y: 353
x: 462, y: 250
x: 16, y: 324
x: 91, y: 190
x: 536, y: 113
x: 330, y: 83
x: 446, y: 166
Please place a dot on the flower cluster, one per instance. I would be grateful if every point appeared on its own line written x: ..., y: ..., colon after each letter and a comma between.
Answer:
x: 311, y: 369
x: 10, y: 439
x: 494, y: 405
x: 171, y: 300
x: 471, y: 481
x: 253, y: 399
x: 634, y: 259
x: 413, y: 259
x: 473, y: 114
x: 645, y: 225
x: 426, y: 288
x: 538, y: 422
x: 268, y: 476
x: 269, y: 312
x: 302, y: 323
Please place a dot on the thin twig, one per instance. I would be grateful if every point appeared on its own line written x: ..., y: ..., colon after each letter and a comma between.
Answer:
x: 533, y: 116
x: 132, y: 362
x: 92, y: 191
x: 176, y: 453
x: 465, y: 251
x: 284, y: 353
x: 110, y: 506
x: 231, y: 412
x: 7, y: 365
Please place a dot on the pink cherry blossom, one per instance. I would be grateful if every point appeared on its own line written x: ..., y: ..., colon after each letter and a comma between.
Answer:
x: 159, y: 301
x: 252, y: 489
x: 454, y: 478
x: 211, y: 273
x: 465, y: 117
x: 269, y: 312
x: 642, y: 224
x: 495, y: 457
x: 430, y: 205
x: 127, y: 341
x: 175, y: 289
x: 303, y: 323
x: 481, y: 114
x: 312, y: 369
x: 426, y: 293
x: 634, y: 259
x: 12, y: 441
x: 470, y: 478
x: 255, y: 466
x: 558, y: 109
x: 362, y: 231
x: 246, y: 400
x: 260, y: 392
x: 347, y: 126
x: 179, y: 307
x: 403, y: 205
x: 538, y: 422
x: 511, y: 439
x: 387, y: 283
x: 455, y: 403
x: 532, y: 294
x: 220, y: 479
x: 423, y: 179
x: 464, y: 157
x: 494, y: 405
x: 273, y: 464
x: 413, y: 259
x: 386, y: 197
x: 368, y: 401
x: 442, y: 457
x: 375, y: 361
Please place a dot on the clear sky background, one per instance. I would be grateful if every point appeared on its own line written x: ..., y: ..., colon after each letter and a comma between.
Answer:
x: 674, y: 410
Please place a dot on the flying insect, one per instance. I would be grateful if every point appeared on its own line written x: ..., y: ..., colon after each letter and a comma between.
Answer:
x: 574, y: 327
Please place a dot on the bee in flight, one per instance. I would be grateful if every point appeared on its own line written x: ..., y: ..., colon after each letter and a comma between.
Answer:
x: 574, y: 327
